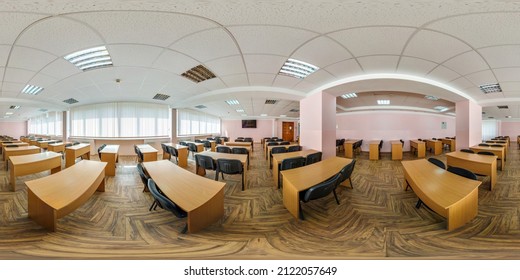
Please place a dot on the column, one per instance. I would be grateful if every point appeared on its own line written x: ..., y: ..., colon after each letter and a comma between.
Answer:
x: 64, y: 126
x: 173, y: 129
x: 469, y: 124
x: 318, y: 123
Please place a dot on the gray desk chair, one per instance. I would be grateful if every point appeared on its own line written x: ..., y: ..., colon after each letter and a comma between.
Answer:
x: 318, y: 191
x: 165, y: 203
x: 230, y: 166
x: 289, y: 163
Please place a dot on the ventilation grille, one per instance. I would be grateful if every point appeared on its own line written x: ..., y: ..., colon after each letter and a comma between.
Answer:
x: 503, y: 107
x: 198, y: 74
x: 294, y: 110
x: 491, y: 117
x: 490, y: 88
x: 270, y: 101
x: 70, y: 101
x: 14, y: 107
x: 160, y: 96
x: 201, y: 107
x: 43, y: 110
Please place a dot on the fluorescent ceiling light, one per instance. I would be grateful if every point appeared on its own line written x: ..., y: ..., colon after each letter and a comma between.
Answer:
x: 383, y: 102
x: 232, y: 102
x: 298, y: 69
x: 263, y: 115
x: 283, y: 116
x: 240, y: 111
x: 441, y: 108
x: 349, y: 95
x: 431, y: 97
x: 90, y: 58
x: 490, y: 88
x: 32, y: 90
x: 198, y: 74
x: 9, y: 113
x: 508, y: 117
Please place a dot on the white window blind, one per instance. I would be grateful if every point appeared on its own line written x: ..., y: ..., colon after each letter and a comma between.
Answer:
x: 489, y: 129
x: 50, y: 123
x: 196, y: 123
x: 120, y: 119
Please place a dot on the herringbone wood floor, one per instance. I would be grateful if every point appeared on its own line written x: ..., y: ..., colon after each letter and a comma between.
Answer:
x: 376, y: 220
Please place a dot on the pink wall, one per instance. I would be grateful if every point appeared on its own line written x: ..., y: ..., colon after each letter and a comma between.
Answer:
x: 318, y: 123
x: 390, y: 125
x: 469, y: 124
x: 13, y: 129
x: 511, y: 129
x: 264, y: 128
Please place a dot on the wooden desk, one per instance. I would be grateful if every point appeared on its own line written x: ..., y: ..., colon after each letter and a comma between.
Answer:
x: 215, y: 156
x: 109, y: 155
x: 373, y: 149
x: 451, y: 196
x: 240, y: 144
x: 450, y: 142
x: 479, y: 164
x: 200, y: 146
x: 149, y: 152
x: 201, y: 198
x: 2, y: 150
x: 266, y: 143
x: 435, y: 145
x: 397, y: 150
x: 182, y: 154
x: 300, y: 179
x: 419, y: 146
x: 248, y: 148
x: 71, y: 153
x: 213, y: 144
x: 494, y: 142
x: 499, y: 152
x: 57, y: 147
x: 269, y: 148
x: 349, y: 148
x: 55, y: 196
x: 30, y: 164
x: 278, y: 158
x: 20, y: 151
x: 44, y: 143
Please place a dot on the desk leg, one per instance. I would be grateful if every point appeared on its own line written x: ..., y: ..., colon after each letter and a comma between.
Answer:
x: 40, y: 212
x: 12, y: 176
x: 199, y: 170
x: 291, y: 198
x: 212, y: 211
x: 56, y: 169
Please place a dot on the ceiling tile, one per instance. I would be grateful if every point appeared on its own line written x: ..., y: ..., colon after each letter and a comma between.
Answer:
x: 434, y: 46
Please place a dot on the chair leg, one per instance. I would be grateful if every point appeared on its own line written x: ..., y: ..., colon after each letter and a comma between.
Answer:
x: 301, y: 211
x: 351, y: 186
x: 153, y: 204
x: 216, y: 175
x: 335, y: 196
x: 185, y: 229
x: 243, y: 187
x: 407, y: 186
x: 279, y: 179
x: 419, y: 203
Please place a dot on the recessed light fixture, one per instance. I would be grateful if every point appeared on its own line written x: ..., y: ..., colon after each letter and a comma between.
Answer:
x: 349, y: 95
x: 14, y: 107
x: 298, y: 69
x: 43, y: 110
x: 240, y: 111
x: 92, y: 58
x: 431, y: 97
x: 508, y: 117
x: 383, y: 102
x: 441, y: 108
x: 490, y: 88
x: 198, y: 74
x: 232, y: 102
x: 491, y: 117
x: 160, y: 96
x: 294, y: 110
x: 263, y: 115
x: 9, y: 113
x: 32, y: 90
x: 283, y: 116
x: 201, y: 107
x: 70, y: 101
x: 270, y: 101
x: 503, y: 107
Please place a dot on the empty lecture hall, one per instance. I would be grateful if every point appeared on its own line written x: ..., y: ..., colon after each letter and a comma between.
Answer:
x: 259, y: 130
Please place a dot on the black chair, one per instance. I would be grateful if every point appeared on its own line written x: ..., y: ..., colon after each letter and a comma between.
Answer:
x: 318, y: 191
x: 242, y: 151
x: 276, y: 150
x: 207, y: 163
x: 496, y: 146
x: 182, y: 143
x: 207, y: 145
x: 270, y: 140
x: 483, y: 145
x: 486, y: 153
x: 75, y: 143
x: 248, y: 139
x: 346, y: 173
x: 198, y: 141
x: 467, y: 151
x: 68, y: 145
x: 289, y: 163
x: 437, y: 162
x: 294, y: 148
x: 462, y: 172
x: 140, y: 157
x: 285, y: 143
x: 173, y: 153
x: 165, y: 203
x: 224, y: 149
x: 379, y: 149
x: 100, y: 149
x: 402, y: 142
x: 144, y: 177
x: 313, y: 158
x: 239, y: 140
x: 165, y: 151
x: 272, y: 144
x: 11, y: 146
x: 230, y: 166
x: 192, y: 148
x: 240, y: 137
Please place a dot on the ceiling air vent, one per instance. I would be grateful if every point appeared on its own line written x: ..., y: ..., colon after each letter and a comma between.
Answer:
x: 270, y: 101
x: 160, y: 96
x: 201, y: 107
x: 70, y: 101
x: 14, y: 107
x: 294, y: 110
x: 503, y: 107
x: 491, y: 117
x: 198, y: 74
x: 490, y: 88
x: 43, y: 110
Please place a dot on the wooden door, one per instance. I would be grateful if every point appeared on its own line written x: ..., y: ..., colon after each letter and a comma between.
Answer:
x: 288, y: 131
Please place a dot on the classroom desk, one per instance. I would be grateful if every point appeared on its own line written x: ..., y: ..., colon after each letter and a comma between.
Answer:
x: 55, y: 196
x: 499, y: 152
x: 479, y: 164
x: 182, y: 152
x: 44, y: 143
x: 71, y: 153
x: 109, y: 155
x: 19, y: 144
x: 200, y: 146
x: 269, y: 148
x: 449, y: 195
x: 215, y: 156
x: 503, y: 139
x: 349, y: 147
x: 494, y: 142
x: 240, y: 144
x: 201, y: 198
x: 435, y: 145
x: 397, y: 150
x: 373, y: 149
x: 57, y: 147
x: 20, y: 151
x: 419, y: 146
x: 278, y: 158
x: 213, y: 144
x: 300, y: 179
x: 266, y: 143
x: 149, y: 152
x: 34, y: 163
x: 450, y: 142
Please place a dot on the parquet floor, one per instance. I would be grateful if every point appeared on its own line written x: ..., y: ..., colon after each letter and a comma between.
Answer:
x: 376, y: 220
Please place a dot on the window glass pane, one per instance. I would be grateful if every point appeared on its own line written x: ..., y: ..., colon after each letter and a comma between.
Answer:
x: 196, y: 123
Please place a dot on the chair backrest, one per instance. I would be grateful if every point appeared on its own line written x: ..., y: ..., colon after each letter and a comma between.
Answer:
x: 496, y: 146
x: 101, y: 148
x: 182, y: 143
x: 68, y: 145
x: 229, y: 166
x: 239, y: 140
x: 238, y: 150
x: 322, y: 189
x: 313, y: 158
x: 285, y: 143
x: 142, y: 174
x: 467, y: 151
x: 402, y: 142
x: 462, y: 172
x: 172, y: 151
x: 270, y: 140
x: 205, y: 162
x: 192, y: 147
x: 346, y: 172
x: 483, y: 145
x: 140, y: 155
x: 419, y: 139
x: 437, y: 162
x: 207, y: 144
x: 341, y: 141
x: 272, y: 144
x: 486, y: 153
x: 198, y: 141
x: 294, y: 148
x: 248, y: 139
x: 380, y: 144
x: 164, y: 148
x: 290, y: 163
x: 11, y: 146
x: 240, y: 137
x: 224, y: 149
x: 75, y: 143
x: 278, y: 150
x: 165, y: 202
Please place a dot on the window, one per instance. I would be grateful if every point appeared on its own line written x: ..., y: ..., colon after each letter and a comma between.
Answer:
x: 489, y: 129
x: 50, y: 123
x: 122, y: 119
x: 196, y: 123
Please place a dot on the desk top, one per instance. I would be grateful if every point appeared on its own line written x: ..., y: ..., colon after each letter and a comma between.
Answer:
x: 176, y: 146
x: 247, y: 147
x: 244, y: 143
x: 59, y: 144
x: 25, y: 159
x: 110, y: 149
x: 22, y: 148
x: 310, y: 175
x: 374, y: 142
x: 83, y: 173
x: 431, y: 140
x: 145, y: 148
x: 395, y: 142
x: 188, y: 190
x: 78, y: 146
x: 215, y: 156
x: 46, y: 141
x: 487, y: 148
x: 15, y: 143
x: 442, y: 186
x: 352, y: 141
x: 282, y: 156
x: 473, y: 157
